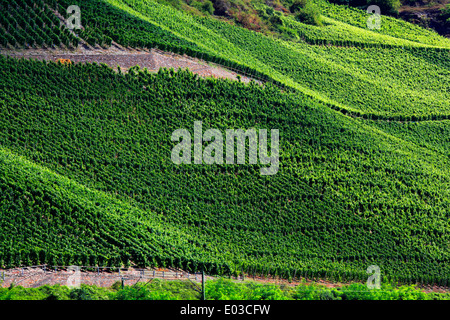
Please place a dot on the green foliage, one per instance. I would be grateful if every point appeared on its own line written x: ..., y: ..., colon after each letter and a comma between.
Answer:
x: 288, y: 33
x: 205, y: 6
x: 140, y: 293
x: 386, y: 292
x: 220, y: 289
x: 433, y: 135
x: 26, y: 23
x: 109, y: 193
x: 389, y: 26
x: 446, y: 10
x: 298, y: 5
x: 309, y: 14
x: 88, y: 292
x: 358, y: 291
x: 158, y: 290
x: 267, y: 292
x: 84, y: 157
x: 82, y: 293
x: 208, y: 7
x: 445, y: 14
x: 226, y: 290
x: 276, y: 20
x: 299, y: 66
x: 315, y: 292
x: 332, y: 75
x: 104, y: 23
x: 20, y: 293
x: 223, y: 289
x: 387, y: 7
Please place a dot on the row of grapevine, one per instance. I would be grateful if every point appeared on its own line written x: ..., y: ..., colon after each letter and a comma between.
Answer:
x: 29, y: 23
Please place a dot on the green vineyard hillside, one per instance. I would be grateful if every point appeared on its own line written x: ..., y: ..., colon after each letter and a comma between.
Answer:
x: 347, y: 195
x: 86, y: 175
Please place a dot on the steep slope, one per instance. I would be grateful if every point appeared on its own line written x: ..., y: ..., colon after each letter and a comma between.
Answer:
x: 347, y: 195
x: 373, y: 82
x: 371, y: 79
x: 389, y: 26
x: 49, y: 219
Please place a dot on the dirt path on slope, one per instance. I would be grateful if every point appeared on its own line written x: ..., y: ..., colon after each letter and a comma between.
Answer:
x: 126, y: 58
x: 37, y: 276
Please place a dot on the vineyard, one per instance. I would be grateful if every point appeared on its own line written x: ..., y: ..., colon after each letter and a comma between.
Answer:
x: 26, y: 23
x: 385, y: 87
x: 86, y: 176
x: 390, y: 26
x: 346, y: 196
x: 434, y: 135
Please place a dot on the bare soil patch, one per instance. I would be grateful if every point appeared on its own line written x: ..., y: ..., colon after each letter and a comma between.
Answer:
x: 125, y: 58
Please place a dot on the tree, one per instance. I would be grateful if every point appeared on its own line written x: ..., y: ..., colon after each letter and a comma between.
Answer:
x: 445, y: 15
x: 306, y: 12
x: 221, y: 7
x: 298, y: 5
x: 206, y: 6
x: 387, y: 7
